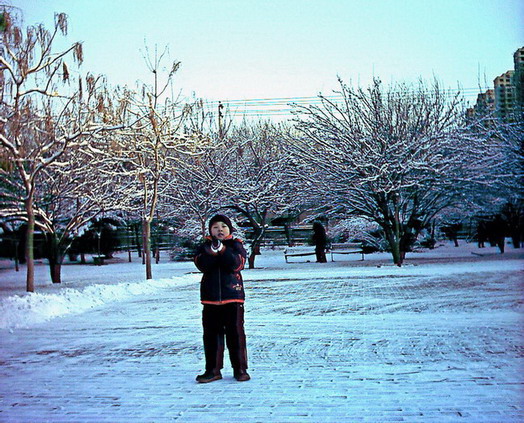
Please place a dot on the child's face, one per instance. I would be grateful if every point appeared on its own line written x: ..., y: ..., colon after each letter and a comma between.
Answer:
x: 220, y: 230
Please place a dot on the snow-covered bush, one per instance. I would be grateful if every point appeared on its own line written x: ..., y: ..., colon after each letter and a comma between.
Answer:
x: 358, y: 229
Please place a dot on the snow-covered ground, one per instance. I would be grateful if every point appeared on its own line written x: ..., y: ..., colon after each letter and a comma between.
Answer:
x: 88, y: 286
x: 438, y: 339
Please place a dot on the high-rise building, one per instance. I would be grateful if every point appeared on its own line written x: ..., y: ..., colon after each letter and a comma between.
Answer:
x: 506, y: 100
x: 485, y: 103
x: 518, y: 79
x: 505, y: 96
x: 484, y: 107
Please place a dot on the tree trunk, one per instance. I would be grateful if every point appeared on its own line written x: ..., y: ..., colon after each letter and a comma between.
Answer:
x: 29, y: 245
x: 398, y: 254
x: 515, y: 239
x: 255, y: 246
x: 138, y: 245
x: 394, y: 244
x: 259, y: 230
x: 129, y: 242
x: 55, y: 269
x: 146, y: 230
x: 289, y: 234
x: 17, y: 267
x: 55, y: 256
x: 255, y: 251
x: 204, y: 228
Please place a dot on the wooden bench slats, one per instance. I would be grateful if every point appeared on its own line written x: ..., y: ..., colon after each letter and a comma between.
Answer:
x: 347, y: 248
x: 298, y: 252
x: 336, y: 248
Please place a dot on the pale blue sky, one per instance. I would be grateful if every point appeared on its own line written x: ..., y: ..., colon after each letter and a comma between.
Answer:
x: 246, y: 49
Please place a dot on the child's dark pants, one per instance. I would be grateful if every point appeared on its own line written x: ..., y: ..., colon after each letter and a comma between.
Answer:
x: 219, y: 321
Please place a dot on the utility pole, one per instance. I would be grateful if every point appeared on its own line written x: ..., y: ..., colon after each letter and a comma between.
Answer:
x: 220, y: 116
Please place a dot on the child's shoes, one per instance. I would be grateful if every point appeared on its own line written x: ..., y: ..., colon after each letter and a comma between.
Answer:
x: 208, y: 377
x: 242, y: 376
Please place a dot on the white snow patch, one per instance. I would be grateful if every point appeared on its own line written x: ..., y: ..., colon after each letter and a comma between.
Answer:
x: 23, y: 311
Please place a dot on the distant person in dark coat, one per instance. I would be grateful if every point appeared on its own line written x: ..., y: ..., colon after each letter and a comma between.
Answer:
x: 451, y: 231
x: 482, y: 233
x: 499, y: 228
x: 320, y: 242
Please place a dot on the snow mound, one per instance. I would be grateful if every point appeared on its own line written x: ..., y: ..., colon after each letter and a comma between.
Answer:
x: 34, y: 308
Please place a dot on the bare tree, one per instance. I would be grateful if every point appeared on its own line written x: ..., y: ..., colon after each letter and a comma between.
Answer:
x: 193, y: 183
x: 43, y: 113
x: 396, y: 157
x: 241, y: 168
x: 146, y: 153
x: 504, y: 192
x: 68, y: 196
x: 194, y: 186
x: 254, y: 178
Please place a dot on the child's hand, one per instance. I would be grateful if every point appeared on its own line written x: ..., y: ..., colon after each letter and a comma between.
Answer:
x: 216, y: 246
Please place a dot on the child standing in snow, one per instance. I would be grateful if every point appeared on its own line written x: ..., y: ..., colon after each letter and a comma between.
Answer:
x: 221, y: 258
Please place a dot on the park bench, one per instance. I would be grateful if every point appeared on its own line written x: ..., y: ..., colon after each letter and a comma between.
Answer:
x: 346, y: 248
x: 299, y: 251
x: 98, y: 260
x: 335, y: 248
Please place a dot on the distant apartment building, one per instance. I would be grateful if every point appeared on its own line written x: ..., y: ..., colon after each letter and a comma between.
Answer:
x: 505, y: 96
x: 485, y: 104
x: 506, y: 100
x: 518, y: 78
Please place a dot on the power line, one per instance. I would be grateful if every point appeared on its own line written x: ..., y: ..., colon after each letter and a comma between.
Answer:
x: 284, y: 106
x: 281, y: 100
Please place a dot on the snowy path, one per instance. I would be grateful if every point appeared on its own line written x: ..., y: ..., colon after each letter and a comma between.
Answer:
x: 428, y: 343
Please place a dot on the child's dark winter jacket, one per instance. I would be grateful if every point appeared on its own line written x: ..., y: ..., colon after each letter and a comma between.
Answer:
x: 222, y: 282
